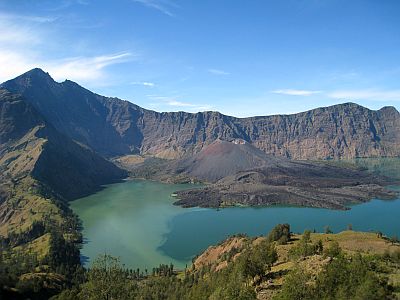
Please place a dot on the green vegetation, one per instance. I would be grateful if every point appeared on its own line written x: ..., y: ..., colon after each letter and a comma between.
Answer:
x: 305, y: 247
x: 345, y: 277
x: 107, y: 279
x: 40, y: 245
x: 259, y: 268
x: 280, y: 233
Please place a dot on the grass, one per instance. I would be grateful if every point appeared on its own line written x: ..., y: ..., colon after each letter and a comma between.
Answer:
x: 353, y: 242
x: 24, y: 208
x: 129, y: 160
x: 39, y: 246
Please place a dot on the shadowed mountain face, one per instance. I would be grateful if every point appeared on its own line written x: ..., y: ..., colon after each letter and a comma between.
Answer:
x: 115, y: 127
x: 29, y: 146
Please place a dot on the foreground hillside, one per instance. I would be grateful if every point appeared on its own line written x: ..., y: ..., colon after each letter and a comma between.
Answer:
x: 114, y: 127
x: 280, y: 265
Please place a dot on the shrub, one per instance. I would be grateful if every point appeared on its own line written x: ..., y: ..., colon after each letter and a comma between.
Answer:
x: 280, y: 233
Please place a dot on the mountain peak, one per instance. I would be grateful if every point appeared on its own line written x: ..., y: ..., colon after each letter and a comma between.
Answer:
x: 37, y: 73
x: 36, y: 78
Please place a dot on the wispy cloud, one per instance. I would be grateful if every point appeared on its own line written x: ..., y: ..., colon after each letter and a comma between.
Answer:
x: 359, y: 94
x: 292, y: 92
x: 144, y: 83
x: 366, y: 94
x: 22, y: 40
x: 15, y: 30
x: 84, y: 68
x: 218, y: 72
x: 172, y: 103
x: 163, y: 6
x: 66, y: 4
x: 28, y: 18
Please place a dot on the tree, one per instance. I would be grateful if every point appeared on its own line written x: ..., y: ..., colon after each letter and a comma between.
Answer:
x: 295, y: 286
x: 107, y: 280
x: 305, y: 247
x: 343, y: 278
x: 319, y: 247
x: 394, y: 239
x: 280, y: 233
x: 350, y: 278
x: 307, y: 236
x: 258, y: 260
x: 328, y: 230
x: 333, y: 250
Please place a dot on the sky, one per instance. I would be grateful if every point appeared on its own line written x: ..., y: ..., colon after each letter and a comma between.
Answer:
x: 242, y: 58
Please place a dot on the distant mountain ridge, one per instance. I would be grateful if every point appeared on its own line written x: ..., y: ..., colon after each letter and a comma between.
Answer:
x: 114, y: 127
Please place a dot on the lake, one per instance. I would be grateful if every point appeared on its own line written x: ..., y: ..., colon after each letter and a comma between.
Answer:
x: 136, y: 220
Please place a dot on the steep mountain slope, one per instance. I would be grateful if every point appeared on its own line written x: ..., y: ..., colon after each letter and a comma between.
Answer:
x: 114, y: 127
x: 29, y: 146
x: 77, y: 112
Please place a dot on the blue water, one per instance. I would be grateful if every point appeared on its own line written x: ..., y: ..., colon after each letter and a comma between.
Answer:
x: 136, y: 221
x: 194, y: 231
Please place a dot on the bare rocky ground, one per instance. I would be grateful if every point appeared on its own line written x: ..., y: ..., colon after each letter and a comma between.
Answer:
x: 240, y: 174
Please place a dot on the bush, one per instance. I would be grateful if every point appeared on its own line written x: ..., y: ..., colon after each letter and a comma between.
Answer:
x: 280, y: 233
x: 258, y: 260
x: 333, y: 250
x: 305, y: 248
x: 344, y: 278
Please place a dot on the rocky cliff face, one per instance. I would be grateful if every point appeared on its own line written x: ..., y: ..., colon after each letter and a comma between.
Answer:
x: 29, y: 146
x: 115, y: 127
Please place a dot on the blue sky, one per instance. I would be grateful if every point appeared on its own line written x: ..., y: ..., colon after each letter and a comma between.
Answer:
x: 243, y: 58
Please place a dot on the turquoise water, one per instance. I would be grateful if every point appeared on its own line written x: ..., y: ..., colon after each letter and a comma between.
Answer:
x: 136, y: 221
x: 129, y: 220
x: 192, y: 232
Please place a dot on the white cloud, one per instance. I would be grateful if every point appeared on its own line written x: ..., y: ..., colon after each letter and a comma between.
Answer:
x: 292, y: 92
x: 163, y: 6
x: 28, y: 18
x: 144, y: 83
x: 174, y: 103
x: 180, y: 104
x: 66, y: 4
x: 83, y: 68
x: 361, y: 94
x: 22, y: 40
x: 14, y: 33
x: 218, y: 72
x: 366, y: 94
x: 13, y: 64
